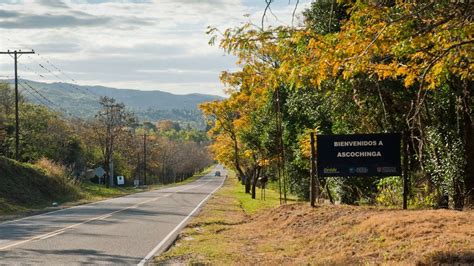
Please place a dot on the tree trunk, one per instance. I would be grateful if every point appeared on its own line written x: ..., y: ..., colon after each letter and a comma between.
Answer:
x: 240, y: 173
x: 107, y: 170
x: 247, y: 184
x: 254, y: 182
x: 331, y: 199
x: 468, y: 137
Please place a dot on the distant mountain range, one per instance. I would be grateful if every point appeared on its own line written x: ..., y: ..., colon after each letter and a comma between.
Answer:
x: 82, y: 101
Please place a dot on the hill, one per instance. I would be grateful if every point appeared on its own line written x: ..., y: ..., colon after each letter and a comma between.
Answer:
x: 229, y: 230
x: 24, y: 187
x: 155, y: 105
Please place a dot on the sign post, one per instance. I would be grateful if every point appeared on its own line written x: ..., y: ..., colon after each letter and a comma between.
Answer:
x: 314, y: 190
x: 361, y: 155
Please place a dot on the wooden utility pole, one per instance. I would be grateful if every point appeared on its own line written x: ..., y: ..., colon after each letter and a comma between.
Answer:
x: 406, y: 177
x: 281, y: 150
x: 16, y: 54
x: 314, y: 190
x: 144, y: 158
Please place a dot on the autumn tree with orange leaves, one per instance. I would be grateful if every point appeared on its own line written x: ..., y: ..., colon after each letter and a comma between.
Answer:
x: 372, y: 66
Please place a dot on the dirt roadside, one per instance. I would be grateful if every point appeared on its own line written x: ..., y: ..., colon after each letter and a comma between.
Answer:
x: 294, y: 234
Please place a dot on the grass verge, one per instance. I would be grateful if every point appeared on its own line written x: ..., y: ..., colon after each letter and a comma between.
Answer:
x: 204, y: 240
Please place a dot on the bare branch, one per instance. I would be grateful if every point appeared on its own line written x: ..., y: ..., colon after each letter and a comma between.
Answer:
x: 294, y: 12
x: 268, y: 2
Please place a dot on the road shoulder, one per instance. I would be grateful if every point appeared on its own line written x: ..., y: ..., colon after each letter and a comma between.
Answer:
x: 213, y: 236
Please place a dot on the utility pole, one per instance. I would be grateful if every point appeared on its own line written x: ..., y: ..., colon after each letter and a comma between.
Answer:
x: 144, y: 158
x: 139, y: 169
x: 15, y: 54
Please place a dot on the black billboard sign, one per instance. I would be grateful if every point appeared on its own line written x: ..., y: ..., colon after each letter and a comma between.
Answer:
x: 358, y: 155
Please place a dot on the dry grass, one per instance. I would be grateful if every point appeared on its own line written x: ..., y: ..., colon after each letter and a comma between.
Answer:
x: 361, y: 235
x: 327, y: 235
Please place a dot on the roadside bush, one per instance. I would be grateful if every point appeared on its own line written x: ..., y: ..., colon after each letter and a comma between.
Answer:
x: 60, y: 173
x: 390, y: 192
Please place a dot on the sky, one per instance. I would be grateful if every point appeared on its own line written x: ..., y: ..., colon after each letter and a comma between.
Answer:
x: 130, y: 44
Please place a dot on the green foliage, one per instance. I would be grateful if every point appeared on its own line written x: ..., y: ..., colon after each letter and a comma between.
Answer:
x: 324, y: 16
x: 444, y: 164
x: 356, y: 190
x: 424, y: 197
x: 45, y: 134
x: 354, y: 67
x: 390, y: 191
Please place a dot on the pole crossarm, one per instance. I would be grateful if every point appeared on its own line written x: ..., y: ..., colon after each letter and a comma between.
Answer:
x: 17, y: 52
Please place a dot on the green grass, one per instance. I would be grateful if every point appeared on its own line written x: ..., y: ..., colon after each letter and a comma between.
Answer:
x: 91, y: 191
x: 204, y: 241
x: 251, y: 206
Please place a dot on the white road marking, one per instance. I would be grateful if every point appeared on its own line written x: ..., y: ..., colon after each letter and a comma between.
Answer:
x: 160, y: 245
x: 53, y: 233
x: 78, y: 206
x: 105, y: 217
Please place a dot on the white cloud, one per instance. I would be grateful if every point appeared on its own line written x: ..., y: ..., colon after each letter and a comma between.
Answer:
x: 140, y: 44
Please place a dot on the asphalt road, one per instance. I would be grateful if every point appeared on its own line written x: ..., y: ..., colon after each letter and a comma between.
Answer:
x: 126, y: 230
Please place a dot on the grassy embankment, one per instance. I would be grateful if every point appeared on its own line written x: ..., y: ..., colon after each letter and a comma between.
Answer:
x: 27, y: 189
x: 233, y: 230
x: 24, y: 187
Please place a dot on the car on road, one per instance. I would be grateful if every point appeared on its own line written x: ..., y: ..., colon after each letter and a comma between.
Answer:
x: 218, y: 173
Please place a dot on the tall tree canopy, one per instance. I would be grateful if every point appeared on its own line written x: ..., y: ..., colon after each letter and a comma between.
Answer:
x: 372, y: 66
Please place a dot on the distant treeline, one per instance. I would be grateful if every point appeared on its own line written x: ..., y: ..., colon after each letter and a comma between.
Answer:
x: 173, y: 151
x: 185, y: 117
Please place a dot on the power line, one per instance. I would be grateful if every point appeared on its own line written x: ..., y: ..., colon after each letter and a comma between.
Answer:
x: 40, y: 94
x: 32, y: 70
x: 82, y: 89
x: 59, y: 108
x: 42, y: 65
x: 42, y: 76
x: 52, y: 73
x: 59, y: 84
x: 38, y: 100
x: 68, y: 77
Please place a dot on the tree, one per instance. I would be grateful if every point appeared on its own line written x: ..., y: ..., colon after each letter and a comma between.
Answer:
x: 7, y: 125
x: 111, y: 123
x: 375, y: 66
x: 224, y: 115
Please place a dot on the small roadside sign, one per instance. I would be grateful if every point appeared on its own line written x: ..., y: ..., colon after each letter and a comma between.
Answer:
x: 120, y: 180
x: 99, y: 171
